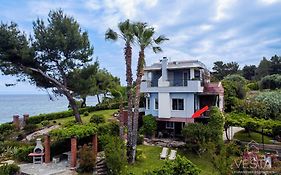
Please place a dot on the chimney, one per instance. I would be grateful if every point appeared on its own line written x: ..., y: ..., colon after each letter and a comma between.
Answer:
x: 164, y: 62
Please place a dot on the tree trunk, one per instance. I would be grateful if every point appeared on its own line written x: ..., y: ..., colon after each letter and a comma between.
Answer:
x: 98, y: 97
x: 226, y: 133
x: 63, y: 89
x: 129, y: 79
x: 74, y: 106
x: 83, y: 104
x: 137, y: 100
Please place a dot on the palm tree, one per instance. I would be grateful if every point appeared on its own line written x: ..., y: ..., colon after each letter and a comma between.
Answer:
x: 126, y: 34
x: 144, y: 36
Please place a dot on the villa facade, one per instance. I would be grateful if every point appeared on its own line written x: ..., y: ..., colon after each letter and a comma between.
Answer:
x: 174, y: 91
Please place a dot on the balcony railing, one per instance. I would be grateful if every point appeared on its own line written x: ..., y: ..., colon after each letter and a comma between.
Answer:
x: 174, y: 83
x: 181, y: 82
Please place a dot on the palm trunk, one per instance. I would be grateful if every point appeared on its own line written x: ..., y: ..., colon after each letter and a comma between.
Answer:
x: 129, y: 79
x: 137, y: 100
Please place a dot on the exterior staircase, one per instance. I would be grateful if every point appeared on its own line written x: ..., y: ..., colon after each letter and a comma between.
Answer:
x: 101, y: 168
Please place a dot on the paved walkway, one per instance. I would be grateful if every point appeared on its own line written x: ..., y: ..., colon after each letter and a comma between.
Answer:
x: 40, y: 132
x: 46, y: 169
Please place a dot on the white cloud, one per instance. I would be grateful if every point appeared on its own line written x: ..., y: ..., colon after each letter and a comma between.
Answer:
x: 207, y: 30
x: 222, y: 9
x: 269, y: 2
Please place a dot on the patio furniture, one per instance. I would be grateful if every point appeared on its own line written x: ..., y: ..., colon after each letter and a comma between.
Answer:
x: 173, y: 155
x: 164, y: 153
x: 68, y: 157
x: 56, y: 159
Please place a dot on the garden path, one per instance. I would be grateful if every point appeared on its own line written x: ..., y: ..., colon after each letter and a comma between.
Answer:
x: 46, y: 169
x: 40, y: 132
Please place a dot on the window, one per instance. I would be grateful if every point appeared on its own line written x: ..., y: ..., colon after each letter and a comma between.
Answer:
x: 170, y: 125
x: 197, y: 74
x: 147, y: 103
x: 177, y: 104
x: 156, y: 104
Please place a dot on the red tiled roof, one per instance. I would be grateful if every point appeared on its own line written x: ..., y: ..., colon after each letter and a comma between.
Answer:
x: 213, y: 88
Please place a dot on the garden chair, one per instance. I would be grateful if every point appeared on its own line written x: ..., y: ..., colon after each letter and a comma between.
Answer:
x: 164, y: 153
x: 173, y: 155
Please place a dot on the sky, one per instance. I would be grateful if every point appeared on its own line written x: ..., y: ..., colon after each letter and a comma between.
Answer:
x: 207, y: 30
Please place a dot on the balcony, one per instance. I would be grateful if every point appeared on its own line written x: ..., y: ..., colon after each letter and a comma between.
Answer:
x: 172, y: 86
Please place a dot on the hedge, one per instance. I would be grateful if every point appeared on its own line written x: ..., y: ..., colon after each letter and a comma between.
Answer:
x: 58, y: 115
x: 78, y: 130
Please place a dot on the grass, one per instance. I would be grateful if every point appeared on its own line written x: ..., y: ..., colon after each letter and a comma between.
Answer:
x: 244, y: 136
x: 152, y: 161
x: 106, y: 113
x: 203, y: 162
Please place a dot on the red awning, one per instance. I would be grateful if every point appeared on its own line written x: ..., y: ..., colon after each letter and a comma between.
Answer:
x: 176, y: 119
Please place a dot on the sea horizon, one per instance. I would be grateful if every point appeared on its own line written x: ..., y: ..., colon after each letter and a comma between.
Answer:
x: 33, y: 104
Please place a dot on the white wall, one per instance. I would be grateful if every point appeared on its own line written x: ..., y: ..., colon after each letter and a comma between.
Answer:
x: 164, y: 110
x: 188, y: 105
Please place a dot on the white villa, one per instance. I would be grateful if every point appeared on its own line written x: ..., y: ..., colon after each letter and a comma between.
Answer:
x: 174, y: 91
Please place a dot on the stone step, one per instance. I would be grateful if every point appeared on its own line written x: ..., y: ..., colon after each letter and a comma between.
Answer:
x: 100, y: 166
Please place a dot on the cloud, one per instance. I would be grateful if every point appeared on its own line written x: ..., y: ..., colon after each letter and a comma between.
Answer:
x: 208, y: 30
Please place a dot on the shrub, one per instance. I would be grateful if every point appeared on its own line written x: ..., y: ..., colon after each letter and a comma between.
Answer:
x: 22, y: 153
x: 6, y: 127
x: 140, y: 139
x: 110, y: 128
x: 272, y: 101
x: 271, y: 82
x: 196, y: 134
x: 221, y: 156
x: 179, y: 166
x: 216, y: 125
x: 253, y: 86
x: 254, y: 108
x: 58, y: 115
x: 276, y: 131
x: 78, y: 130
x: 87, y: 159
x: 69, y: 123
x: 236, y: 78
x: 11, y: 169
x: 97, y: 119
x: 29, y: 128
x: 45, y: 123
x: 149, y: 125
x: 140, y: 155
x: 86, y: 113
x: 115, y: 156
x: 234, y: 87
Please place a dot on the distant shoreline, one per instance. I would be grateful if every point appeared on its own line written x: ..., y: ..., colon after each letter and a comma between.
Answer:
x: 33, y: 104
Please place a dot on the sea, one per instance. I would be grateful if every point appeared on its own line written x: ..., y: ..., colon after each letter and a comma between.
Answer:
x: 33, y: 105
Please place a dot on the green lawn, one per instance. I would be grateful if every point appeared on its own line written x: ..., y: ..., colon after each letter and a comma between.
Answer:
x: 152, y: 161
x: 106, y: 113
x: 244, y: 136
x: 203, y: 162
